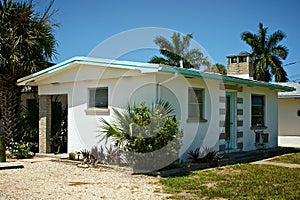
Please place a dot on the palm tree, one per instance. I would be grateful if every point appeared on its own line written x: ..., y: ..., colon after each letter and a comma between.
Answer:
x: 217, y: 68
x: 26, y: 44
x: 267, y: 54
x: 176, y: 52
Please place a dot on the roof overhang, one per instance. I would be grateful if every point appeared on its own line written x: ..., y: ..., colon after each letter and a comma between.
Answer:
x: 288, y: 96
x: 224, y: 78
x: 143, y: 67
x: 148, y: 68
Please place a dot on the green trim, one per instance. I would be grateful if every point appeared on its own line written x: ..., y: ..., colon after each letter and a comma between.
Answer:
x: 150, y: 68
x: 223, y: 78
x: 143, y: 67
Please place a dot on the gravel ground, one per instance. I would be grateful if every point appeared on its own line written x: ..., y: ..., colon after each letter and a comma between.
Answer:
x: 47, y: 179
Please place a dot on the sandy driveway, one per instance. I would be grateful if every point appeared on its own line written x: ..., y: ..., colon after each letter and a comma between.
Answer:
x: 46, y: 179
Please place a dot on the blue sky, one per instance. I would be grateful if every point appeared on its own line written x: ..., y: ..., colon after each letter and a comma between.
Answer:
x: 216, y: 24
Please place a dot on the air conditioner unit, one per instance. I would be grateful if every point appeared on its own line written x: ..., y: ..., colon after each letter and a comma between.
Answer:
x: 261, y: 137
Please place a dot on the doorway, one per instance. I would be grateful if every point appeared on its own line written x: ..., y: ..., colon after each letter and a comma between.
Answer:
x: 59, y: 126
x: 230, y: 120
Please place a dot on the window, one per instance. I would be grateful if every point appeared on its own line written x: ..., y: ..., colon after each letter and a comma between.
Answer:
x: 242, y: 59
x: 98, y: 97
x: 257, y: 111
x: 233, y: 60
x: 196, y: 104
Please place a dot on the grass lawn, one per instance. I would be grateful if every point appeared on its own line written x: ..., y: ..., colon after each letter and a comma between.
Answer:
x: 241, y: 181
x: 289, y: 158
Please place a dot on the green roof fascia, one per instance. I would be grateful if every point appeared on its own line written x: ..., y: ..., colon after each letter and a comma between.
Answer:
x: 223, y: 78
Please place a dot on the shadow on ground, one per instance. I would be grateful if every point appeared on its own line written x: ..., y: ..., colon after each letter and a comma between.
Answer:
x: 227, y: 159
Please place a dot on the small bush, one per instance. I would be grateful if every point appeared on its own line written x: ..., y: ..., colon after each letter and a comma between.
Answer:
x: 207, y: 155
x: 20, y: 150
x: 72, y: 156
x: 148, y: 135
x: 112, y: 155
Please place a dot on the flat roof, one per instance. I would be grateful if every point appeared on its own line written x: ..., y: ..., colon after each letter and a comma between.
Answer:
x: 237, y: 55
x: 291, y: 94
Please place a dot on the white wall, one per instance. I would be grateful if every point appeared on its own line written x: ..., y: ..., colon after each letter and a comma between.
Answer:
x: 196, y: 134
x: 289, y: 122
x: 132, y: 86
x: 83, y: 127
x: 271, y: 120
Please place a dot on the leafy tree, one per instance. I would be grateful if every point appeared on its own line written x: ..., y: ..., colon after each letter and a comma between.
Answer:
x: 217, y: 68
x: 176, y: 52
x: 141, y: 131
x: 267, y: 54
x: 27, y: 43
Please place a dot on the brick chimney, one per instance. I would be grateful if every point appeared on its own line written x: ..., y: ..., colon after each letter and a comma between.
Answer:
x: 240, y: 66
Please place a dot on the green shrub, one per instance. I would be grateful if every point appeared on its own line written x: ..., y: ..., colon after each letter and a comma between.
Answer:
x: 20, y: 150
x: 72, y: 156
x: 142, y: 131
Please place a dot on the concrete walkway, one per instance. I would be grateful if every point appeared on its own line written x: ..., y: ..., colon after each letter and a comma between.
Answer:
x: 267, y: 162
x: 11, y: 165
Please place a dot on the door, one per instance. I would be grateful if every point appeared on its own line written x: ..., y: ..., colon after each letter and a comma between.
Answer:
x: 230, y: 121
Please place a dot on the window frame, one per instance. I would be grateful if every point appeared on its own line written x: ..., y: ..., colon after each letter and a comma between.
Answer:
x: 94, y: 109
x: 201, y: 105
x: 262, y: 109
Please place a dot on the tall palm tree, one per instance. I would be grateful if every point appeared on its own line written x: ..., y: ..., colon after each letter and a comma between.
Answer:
x: 267, y: 54
x: 177, y: 53
x: 26, y: 44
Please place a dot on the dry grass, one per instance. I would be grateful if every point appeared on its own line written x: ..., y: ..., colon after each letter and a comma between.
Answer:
x: 293, y: 158
x: 242, y: 181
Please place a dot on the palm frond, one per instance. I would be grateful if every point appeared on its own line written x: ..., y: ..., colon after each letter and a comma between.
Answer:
x: 267, y: 53
x: 160, y: 60
x: 176, y: 41
x: 275, y: 38
x: 164, y: 106
x: 280, y: 51
x: 109, y: 130
x: 184, y: 46
x: 175, y: 51
x: 163, y: 43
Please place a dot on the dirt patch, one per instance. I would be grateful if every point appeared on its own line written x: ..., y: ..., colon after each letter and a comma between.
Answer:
x: 47, y: 179
x: 225, y: 171
x: 212, y: 185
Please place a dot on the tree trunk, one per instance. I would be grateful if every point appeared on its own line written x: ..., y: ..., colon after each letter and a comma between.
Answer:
x: 2, y: 149
x: 10, y: 108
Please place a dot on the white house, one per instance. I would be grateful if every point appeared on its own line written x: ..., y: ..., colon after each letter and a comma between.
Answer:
x: 289, y: 116
x: 226, y: 113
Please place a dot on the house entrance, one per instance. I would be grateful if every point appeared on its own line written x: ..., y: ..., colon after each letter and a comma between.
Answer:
x: 59, y: 127
x: 230, y: 121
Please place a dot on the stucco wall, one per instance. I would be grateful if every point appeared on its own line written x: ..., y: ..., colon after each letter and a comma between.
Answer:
x: 83, y: 126
x: 131, y: 86
x: 196, y: 134
x: 271, y: 120
x: 289, y: 122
